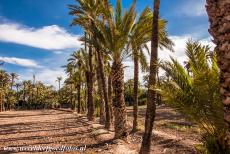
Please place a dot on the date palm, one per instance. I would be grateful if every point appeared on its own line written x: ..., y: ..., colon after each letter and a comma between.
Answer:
x: 69, y: 69
x: 59, y: 79
x: 13, y: 77
x: 79, y: 60
x: 218, y: 12
x: 84, y: 15
x: 195, y: 94
x: 140, y: 36
x: 151, y: 99
x: 114, y: 37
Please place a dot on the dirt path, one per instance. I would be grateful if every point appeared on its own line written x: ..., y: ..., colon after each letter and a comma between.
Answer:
x: 61, y: 129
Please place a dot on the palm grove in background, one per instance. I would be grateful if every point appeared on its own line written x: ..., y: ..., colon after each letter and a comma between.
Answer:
x: 95, y: 84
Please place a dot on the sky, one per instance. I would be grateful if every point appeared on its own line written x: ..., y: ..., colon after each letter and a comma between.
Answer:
x: 36, y: 36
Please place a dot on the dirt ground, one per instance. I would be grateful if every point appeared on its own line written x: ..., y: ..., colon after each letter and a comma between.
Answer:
x: 55, y: 130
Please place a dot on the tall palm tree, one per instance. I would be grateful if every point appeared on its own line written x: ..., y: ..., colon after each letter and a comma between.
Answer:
x: 85, y: 15
x: 13, y: 77
x: 218, y: 12
x: 18, y: 85
x: 69, y: 69
x: 151, y: 100
x: 79, y: 60
x: 140, y: 36
x: 111, y: 38
x: 114, y: 37
x: 59, y: 79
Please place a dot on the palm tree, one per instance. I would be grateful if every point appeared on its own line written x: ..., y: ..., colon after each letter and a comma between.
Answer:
x: 59, y: 82
x: 69, y: 69
x: 18, y: 85
x: 79, y: 60
x: 151, y: 100
x: 140, y: 36
x: 218, y: 12
x: 85, y: 15
x: 59, y: 87
x: 13, y: 77
x: 195, y: 94
x: 111, y: 38
x: 114, y: 37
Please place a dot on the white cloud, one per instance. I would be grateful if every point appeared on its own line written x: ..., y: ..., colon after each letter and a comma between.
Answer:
x: 47, y: 76
x: 192, y: 8
x: 48, y: 37
x: 20, y: 61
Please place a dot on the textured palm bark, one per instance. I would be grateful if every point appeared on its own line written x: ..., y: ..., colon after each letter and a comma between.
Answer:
x: 118, y: 102
x: 90, y: 75
x: 79, y: 98
x: 110, y: 97
x: 105, y: 89
x: 151, y: 100
x: 135, y: 93
x: 102, y: 102
x: 219, y: 18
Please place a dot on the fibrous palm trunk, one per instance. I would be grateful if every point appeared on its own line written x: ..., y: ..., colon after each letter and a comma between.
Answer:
x: 219, y: 18
x: 118, y: 102
x: 110, y: 97
x: 105, y: 90
x: 135, y: 94
x: 90, y: 75
x: 102, y: 102
x: 79, y: 97
x: 151, y: 100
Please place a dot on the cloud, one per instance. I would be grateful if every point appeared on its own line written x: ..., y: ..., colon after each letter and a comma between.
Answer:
x: 192, y: 8
x: 46, y: 75
x: 48, y: 37
x: 20, y: 61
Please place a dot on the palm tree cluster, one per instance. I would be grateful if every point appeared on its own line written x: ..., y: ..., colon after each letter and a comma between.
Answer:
x: 111, y: 36
x: 25, y: 94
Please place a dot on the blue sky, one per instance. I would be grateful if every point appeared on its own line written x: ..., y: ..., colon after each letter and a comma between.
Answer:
x: 35, y: 36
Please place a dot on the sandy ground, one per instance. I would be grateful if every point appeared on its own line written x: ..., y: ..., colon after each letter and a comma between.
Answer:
x: 54, y: 130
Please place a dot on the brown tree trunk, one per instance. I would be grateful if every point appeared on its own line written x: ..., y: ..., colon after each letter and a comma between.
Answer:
x: 90, y: 74
x: 135, y: 93
x: 219, y: 18
x: 119, y: 103
x: 151, y: 100
x: 79, y: 95
x: 105, y: 89
x: 110, y: 97
x: 100, y: 92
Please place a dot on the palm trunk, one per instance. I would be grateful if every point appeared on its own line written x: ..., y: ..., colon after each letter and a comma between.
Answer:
x: 102, y: 102
x: 135, y: 93
x: 151, y: 100
x: 105, y: 90
x: 119, y: 103
x: 85, y: 96
x: 90, y: 74
x: 1, y: 99
x: 218, y: 12
x: 110, y: 97
x: 79, y: 95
